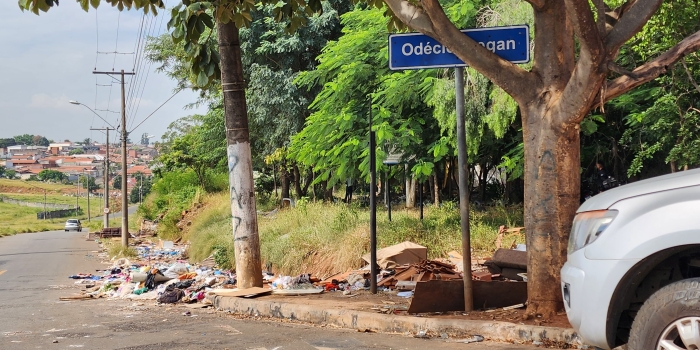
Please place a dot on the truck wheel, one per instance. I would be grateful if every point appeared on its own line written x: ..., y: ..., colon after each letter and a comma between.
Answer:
x: 669, y: 319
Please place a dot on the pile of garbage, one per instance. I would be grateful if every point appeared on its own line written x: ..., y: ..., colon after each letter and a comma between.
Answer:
x: 162, y: 273
x: 158, y: 274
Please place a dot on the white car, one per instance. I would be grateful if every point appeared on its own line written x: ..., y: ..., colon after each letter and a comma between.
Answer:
x: 633, y: 269
x: 73, y: 225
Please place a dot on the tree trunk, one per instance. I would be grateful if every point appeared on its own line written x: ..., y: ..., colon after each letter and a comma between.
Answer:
x: 552, y: 163
x: 327, y: 192
x: 436, y: 190
x: 274, y: 180
x: 484, y: 177
x: 297, y: 182
x: 307, y: 183
x: 410, y: 192
x: 240, y: 166
x: 284, y: 182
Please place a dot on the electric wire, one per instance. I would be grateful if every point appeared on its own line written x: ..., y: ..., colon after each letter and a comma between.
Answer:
x: 141, y: 82
x: 116, y: 43
x: 150, y: 63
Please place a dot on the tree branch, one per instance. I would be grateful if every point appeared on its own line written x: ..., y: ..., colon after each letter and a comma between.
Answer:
x: 690, y: 76
x: 412, y: 16
x: 506, y: 75
x: 650, y: 70
x: 619, y: 69
x: 585, y: 27
x: 589, y: 73
x: 636, y: 14
x: 600, y: 10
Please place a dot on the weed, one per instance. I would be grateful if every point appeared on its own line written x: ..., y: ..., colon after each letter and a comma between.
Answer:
x: 116, y: 250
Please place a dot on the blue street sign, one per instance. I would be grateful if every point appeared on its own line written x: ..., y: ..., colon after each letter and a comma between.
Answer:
x: 416, y: 51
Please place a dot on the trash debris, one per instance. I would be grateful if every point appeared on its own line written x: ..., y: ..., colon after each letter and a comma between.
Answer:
x: 473, y: 339
x: 399, y: 254
x: 421, y: 334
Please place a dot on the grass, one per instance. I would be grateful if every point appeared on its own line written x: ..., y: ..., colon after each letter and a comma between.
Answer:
x: 18, y: 219
x: 116, y: 250
x: 21, y: 219
x: 95, y: 202
x: 323, y: 238
x: 31, y: 186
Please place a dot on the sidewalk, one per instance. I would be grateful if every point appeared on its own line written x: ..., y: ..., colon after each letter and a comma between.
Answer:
x: 366, y: 315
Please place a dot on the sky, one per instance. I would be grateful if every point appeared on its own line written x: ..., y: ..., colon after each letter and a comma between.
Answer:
x: 48, y: 60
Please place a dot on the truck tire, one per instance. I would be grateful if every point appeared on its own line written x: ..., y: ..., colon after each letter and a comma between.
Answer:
x: 669, y: 319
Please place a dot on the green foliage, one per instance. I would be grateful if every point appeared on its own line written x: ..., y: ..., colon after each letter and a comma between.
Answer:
x: 117, y: 182
x: 142, y: 188
x: 334, y: 140
x: 200, y: 146
x: 76, y: 151
x: 11, y: 174
x: 24, y: 139
x: 51, y: 175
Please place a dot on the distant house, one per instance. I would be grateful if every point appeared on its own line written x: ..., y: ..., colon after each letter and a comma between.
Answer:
x: 139, y: 169
x: 27, y: 151
x: 60, y: 148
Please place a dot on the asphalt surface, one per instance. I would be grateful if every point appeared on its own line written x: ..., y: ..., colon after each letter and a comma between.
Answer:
x: 34, y: 270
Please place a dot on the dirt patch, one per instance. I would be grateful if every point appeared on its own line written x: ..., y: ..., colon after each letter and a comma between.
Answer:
x: 390, y: 303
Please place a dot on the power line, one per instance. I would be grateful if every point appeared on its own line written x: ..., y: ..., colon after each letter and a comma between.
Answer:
x: 166, y: 101
x: 116, y: 43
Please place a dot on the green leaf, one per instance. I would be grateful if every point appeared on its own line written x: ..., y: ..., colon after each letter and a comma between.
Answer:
x: 206, y: 19
x: 202, y: 79
x: 95, y: 3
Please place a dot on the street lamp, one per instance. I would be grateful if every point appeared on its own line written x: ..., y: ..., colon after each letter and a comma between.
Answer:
x: 103, y: 119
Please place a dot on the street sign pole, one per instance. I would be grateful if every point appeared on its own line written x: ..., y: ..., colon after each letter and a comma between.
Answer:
x: 417, y: 51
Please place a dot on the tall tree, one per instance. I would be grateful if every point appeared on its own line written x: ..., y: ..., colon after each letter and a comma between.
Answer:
x: 39, y: 140
x: 574, y: 70
x: 189, y: 23
x: 24, y: 139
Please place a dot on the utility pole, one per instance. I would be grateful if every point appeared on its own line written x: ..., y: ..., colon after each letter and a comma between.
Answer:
x: 246, y: 241
x: 125, y: 135
x: 463, y: 190
x: 87, y: 186
x: 105, y: 216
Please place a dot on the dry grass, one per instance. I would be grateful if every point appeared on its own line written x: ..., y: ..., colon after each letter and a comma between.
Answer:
x: 323, y: 238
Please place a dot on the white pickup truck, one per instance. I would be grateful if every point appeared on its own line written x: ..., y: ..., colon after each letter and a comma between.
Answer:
x: 633, y: 269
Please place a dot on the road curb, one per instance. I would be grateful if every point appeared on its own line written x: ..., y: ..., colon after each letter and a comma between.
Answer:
x: 362, y: 320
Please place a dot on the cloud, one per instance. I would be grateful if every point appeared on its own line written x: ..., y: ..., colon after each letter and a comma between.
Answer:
x: 44, y: 101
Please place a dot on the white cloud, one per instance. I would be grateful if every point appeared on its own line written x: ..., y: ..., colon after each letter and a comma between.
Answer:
x: 45, y: 101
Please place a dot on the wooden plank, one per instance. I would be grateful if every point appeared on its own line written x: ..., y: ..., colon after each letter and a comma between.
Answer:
x: 443, y: 296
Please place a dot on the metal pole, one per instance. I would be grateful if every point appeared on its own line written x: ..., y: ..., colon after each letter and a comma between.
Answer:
x: 125, y: 203
x: 388, y: 194
x: 463, y: 190
x: 77, y: 195
x: 420, y: 198
x: 106, y: 189
x: 372, y: 206
x: 44, y: 204
x: 88, y: 192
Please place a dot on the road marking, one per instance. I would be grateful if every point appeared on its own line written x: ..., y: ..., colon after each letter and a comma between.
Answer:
x: 3, y: 271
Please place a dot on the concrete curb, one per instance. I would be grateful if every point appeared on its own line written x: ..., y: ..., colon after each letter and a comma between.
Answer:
x: 361, y: 320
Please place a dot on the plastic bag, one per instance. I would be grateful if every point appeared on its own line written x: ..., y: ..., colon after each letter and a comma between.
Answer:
x: 176, y: 270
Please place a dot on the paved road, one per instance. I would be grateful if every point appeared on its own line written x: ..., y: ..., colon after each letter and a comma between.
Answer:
x: 132, y: 209
x: 34, y: 270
